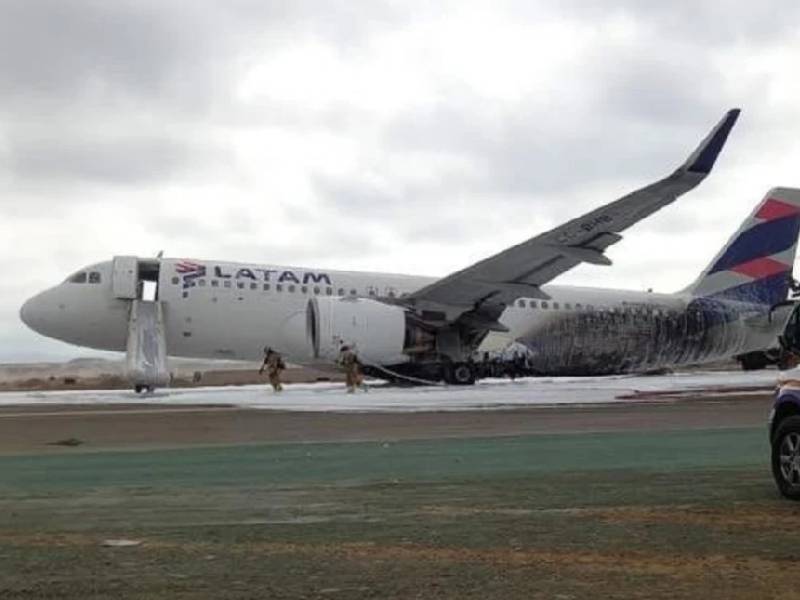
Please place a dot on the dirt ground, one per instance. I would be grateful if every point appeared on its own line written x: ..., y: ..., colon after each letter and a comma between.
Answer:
x: 31, y: 429
x: 651, y: 500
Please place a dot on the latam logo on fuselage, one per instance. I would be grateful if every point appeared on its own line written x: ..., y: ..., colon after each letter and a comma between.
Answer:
x: 190, y: 271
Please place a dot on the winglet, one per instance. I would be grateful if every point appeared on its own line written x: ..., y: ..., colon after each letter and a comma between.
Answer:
x: 703, y: 158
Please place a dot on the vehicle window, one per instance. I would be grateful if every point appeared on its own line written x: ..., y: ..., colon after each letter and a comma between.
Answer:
x: 227, y: 283
x: 266, y: 287
x: 279, y: 287
x: 215, y: 283
x: 94, y: 277
x: 176, y: 280
x: 316, y: 290
x: 555, y: 305
x: 532, y: 304
x: 291, y: 289
x: 240, y: 284
x: 253, y: 286
x: 304, y: 289
x: 202, y: 283
x: 353, y: 292
x: 329, y: 291
x: 578, y: 306
x: 341, y: 291
x: 521, y: 303
x: 78, y: 277
x: 545, y: 305
x: 567, y: 306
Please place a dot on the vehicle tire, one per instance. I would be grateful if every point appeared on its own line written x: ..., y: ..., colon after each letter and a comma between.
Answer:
x: 786, y: 457
x: 460, y: 374
x: 139, y: 388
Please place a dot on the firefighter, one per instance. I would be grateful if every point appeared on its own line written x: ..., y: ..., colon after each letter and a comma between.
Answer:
x: 273, y: 363
x: 348, y: 360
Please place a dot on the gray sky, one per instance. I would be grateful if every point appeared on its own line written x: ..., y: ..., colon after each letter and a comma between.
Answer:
x: 411, y: 137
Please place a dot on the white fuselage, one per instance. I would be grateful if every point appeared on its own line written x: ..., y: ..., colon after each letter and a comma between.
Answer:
x: 232, y: 311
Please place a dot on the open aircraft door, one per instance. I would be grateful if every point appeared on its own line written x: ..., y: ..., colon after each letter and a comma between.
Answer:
x: 124, y: 280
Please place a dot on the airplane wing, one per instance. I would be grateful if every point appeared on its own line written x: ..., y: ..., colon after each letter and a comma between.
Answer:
x: 521, y: 269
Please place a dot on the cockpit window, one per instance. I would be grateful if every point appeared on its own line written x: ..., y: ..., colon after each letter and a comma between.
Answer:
x: 94, y: 277
x: 78, y: 277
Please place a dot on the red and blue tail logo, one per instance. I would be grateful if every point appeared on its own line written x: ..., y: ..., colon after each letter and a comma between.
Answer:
x: 756, y: 264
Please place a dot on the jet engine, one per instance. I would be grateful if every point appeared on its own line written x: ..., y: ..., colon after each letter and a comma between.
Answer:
x: 377, y: 330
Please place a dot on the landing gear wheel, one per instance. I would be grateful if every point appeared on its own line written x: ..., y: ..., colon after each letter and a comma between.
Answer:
x: 786, y: 457
x: 753, y: 361
x: 139, y: 389
x: 459, y: 374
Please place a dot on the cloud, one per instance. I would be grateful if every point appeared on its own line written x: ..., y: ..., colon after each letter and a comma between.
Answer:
x: 381, y: 136
x: 135, y: 160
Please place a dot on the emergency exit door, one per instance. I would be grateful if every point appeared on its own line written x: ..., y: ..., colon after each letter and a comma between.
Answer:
x: 124, y: 280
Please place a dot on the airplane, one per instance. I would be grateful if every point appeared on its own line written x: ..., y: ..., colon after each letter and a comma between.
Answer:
x: 429, y: 329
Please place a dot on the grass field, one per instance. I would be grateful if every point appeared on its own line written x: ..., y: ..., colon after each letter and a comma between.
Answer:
x: 612, y: 515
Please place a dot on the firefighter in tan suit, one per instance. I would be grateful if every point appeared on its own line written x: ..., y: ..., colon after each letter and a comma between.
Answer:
x: 273, y: 363
x: 348, y: 360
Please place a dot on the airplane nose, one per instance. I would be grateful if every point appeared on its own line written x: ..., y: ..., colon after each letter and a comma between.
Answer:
x: 25, y: 313
x: 31, y: 313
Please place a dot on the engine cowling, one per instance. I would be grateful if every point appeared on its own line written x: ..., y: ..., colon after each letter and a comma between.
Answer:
x: 377, y: 330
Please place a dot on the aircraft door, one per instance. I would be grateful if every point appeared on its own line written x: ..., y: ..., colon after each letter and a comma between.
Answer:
x: 124, y: 280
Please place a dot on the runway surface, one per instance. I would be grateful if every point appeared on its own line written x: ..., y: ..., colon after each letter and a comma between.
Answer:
x: 486, y: 395
x: 611, y: 487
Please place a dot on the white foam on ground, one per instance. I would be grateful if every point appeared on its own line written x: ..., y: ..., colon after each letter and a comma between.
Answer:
x: 486, y: 395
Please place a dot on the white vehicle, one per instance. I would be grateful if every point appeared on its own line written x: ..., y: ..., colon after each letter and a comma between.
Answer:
x: 429, y: 328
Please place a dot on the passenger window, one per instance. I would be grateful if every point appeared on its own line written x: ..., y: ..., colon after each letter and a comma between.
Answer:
x: 266, y: 287
x: 94, y: 277
x: 353, y: 293
x: 532, y: 304
x: 278, y: 287
x: 291, y: 289
x: 253, y: 286
x: 578, y: 306
x: 227, y: 283
x: 240, y: 285
x: 521, y: 303
x: 304, y: 289
x: 341, y: 291
x: 316, y: 290
x: 329, y: 291
x: 545, y: 305
x: 78, y: 277
x: 567, y: 306
x: 215, y: 283
x: 175, y: 280
x: 202, y: 283
x: 555, y: 305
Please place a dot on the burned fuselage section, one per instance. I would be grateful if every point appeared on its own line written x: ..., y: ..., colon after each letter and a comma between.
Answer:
x: 640, y: 337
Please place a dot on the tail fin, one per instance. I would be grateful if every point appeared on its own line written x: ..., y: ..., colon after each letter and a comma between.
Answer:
x: 755, y: 266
